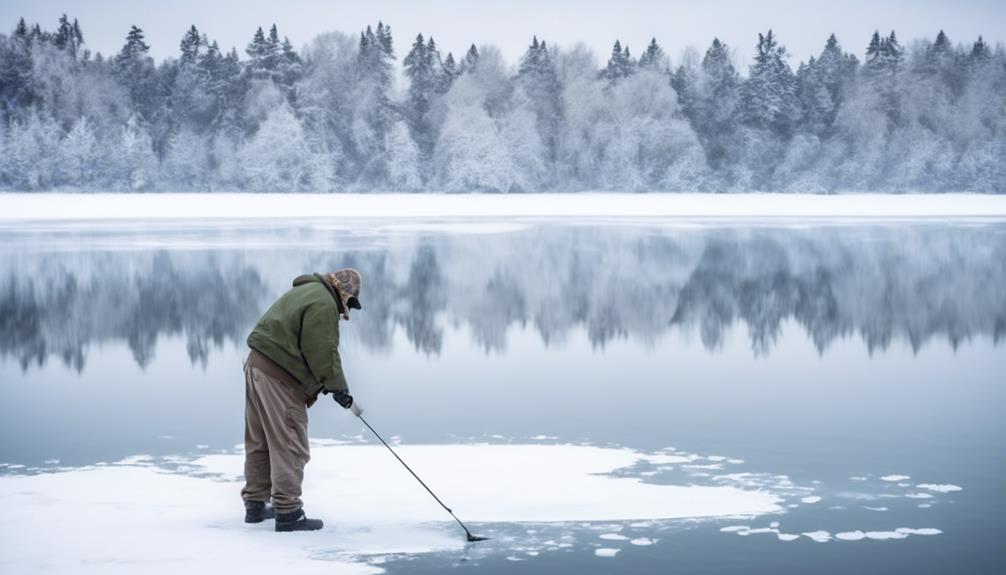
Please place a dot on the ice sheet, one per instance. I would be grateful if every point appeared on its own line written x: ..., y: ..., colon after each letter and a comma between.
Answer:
x: 61, y: 206
x: 128, y: 518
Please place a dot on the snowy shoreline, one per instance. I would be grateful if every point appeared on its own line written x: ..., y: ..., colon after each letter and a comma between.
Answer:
x: 16, y: 207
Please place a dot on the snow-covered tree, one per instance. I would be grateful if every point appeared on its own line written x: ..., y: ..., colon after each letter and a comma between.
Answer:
x: 279, y: 157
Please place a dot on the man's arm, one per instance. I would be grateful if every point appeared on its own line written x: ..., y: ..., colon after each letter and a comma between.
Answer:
x: 319, y: 342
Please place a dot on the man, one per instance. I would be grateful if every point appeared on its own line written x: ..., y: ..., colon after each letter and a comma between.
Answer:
x: 294, y: 357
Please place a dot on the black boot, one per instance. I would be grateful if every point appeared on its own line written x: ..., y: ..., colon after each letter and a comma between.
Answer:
x: 296, y: 521
x: 258, y: 511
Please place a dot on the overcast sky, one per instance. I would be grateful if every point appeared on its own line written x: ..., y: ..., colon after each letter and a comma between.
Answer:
x: 802, y: 26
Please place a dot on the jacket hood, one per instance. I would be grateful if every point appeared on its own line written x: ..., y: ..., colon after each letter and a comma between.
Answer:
x: 305, y: 279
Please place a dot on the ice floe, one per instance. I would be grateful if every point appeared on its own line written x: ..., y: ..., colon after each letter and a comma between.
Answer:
x: 894, y: 478
x: 103, y: 515
x: 810, y: 499
x: 941, y: 488
x: 606, y: 552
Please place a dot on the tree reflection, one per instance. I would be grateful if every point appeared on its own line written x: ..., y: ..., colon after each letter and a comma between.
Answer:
x: 903, y: 283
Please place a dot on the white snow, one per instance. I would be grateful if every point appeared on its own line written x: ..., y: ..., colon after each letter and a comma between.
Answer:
x: 105, y: 517
x: 943, y: 488
x: 606, y: 552
x: 894, y: 478
x: 642, y: 541
x: 918, y: 495
x: 810, y: 499
x: 61, y: 206
x: 876, y: 508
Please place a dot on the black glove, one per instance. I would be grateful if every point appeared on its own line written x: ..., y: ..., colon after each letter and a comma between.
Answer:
x: 343, y: 398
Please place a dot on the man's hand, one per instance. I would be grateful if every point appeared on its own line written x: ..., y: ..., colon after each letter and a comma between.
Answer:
x: 343, y: 398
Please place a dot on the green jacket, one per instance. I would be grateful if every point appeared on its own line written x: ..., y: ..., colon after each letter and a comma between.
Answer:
x: 300, y: 333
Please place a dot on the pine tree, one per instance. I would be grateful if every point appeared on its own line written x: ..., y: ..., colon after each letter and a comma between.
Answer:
x: 68, y: 36
x: 539, y: 80
x: 451, y: 71
x: 190, y: 46
x: 258, y: 52
x: 653, y: 57
x: 471, y: 60
x: 980, y: 51
x: 769, y: 97
x: 822, y: 85
x: 422, y: 66
x: 135, y: 67
x: 620, y: 64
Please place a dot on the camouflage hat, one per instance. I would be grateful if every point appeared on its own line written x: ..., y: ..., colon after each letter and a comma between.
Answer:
x: 348, y: 282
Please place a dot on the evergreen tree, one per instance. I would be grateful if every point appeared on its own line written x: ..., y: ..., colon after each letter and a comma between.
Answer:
x: 620, y: 64
x: 135, y: 67
x: 68, y: 36
x: 539, y: 80
x: 422, y: 66
x: 190, y: 46
x: 471, y: 60
x: 653, y: 57
x: 822, y: 85
x: 450, y: 72
x: 769, y: 97
x: 980, y: 51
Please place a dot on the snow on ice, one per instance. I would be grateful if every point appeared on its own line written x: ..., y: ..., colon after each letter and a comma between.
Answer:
x: 128, y: 518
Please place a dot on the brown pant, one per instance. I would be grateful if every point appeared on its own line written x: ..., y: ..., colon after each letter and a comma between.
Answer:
x: 276, y: 444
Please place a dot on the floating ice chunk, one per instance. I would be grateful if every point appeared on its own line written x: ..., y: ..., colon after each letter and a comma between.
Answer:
x: 642, y: 541
x: 703, y: 466
x: 734, y: 528
x: 735, y: 461
x: 136, y: 460
x: 904, y: 485
x: 894, y: 478
x: 606, y: 552
x: 923, y: 506
x: 202, y: 446
x: 792, y: 505
x: 613, y: 537
x: 876, y: 508
x: 850, y: 535
x: 716, y: 458
x: 513, y: 558
x: 819, y: 536
x: 919, y: 495
x: 788, y: 536
x: 666, y: 458
x: 52, y: 462
x: 540, y: 437
x: 19, y: 466
x: 810, y: 499
x: 858, y: 478
x: 922, y: 531
x: 940, y: 488
x: 774, y: 524
x: 648, y: 473
x: 884, y: 535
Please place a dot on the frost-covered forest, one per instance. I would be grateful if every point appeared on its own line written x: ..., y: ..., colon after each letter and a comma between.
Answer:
x: 343, y: 113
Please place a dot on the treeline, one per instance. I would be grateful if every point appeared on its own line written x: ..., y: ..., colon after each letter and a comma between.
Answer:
x: 929, y: 116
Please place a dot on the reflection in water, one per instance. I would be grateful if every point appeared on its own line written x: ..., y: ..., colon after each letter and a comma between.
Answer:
x: 907, y: 282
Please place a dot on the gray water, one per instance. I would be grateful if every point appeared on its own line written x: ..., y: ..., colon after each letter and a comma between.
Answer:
x: 833, y: 353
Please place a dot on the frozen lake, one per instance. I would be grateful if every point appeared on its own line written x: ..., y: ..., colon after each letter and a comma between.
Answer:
x: 764, y: 396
